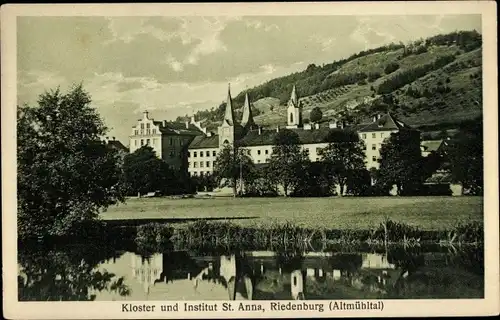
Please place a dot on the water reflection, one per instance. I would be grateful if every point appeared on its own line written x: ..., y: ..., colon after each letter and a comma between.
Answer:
x: 252, y: 275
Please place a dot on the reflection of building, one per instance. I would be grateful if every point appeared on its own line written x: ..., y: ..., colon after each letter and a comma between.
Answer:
x: 147, y: 270
x: 376, y: 261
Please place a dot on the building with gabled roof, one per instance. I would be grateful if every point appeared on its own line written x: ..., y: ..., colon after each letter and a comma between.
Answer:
x: 258, y: 142
x: 169, y: 140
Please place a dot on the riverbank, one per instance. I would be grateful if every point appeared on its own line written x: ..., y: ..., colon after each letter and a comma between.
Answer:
x: 426, y: 213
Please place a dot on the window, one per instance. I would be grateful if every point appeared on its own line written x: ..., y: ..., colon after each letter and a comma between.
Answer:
x: 172, y: 154
x: 214, y: 154
x: 195, y: 173
x: 195, y: 164
x: 374, y: 135
x: 136, y: 132
x: 267, y: 151
x: 189, y: 154
x: 201, y: 154
x: 201, y: 164
x: 201, y: 173
x: 154, y: 142
x: 318, y: 150
x: 291, y: 117
x: 381, y: 134
x: 363, y: 136
x: 374, y: 158
x: 147, y: 125
x: 374, y: 147
x: 142, y: 125
x: 148, y: 131
x: 171, y: 141
x: 317, y: 159
x: 142, y: 131
x: 208, y: 164
x: 135, y: 142
x: 258, y: 161
x: 147, y: 142
x: 142, y: 142
x: 189, y: 164
x: 154, y: 131
x: 195, y: 154
x: 258, y: 152
x: 249, y: 152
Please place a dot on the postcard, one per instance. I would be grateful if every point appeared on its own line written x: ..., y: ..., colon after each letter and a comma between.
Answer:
x: 247, y: 160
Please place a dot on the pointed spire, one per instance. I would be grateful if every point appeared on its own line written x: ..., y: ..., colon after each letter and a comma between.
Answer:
x: 247, y: 119
x: 293, y: 98
x: 229, y: 113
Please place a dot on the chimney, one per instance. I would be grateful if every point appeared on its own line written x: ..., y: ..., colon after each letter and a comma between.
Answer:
x: 260, y: 130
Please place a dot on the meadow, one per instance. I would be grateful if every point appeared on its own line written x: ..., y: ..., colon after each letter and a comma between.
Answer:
x: 426, y: 213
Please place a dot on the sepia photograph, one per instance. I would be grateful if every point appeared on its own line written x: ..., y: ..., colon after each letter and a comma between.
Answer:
x: 200, y: 163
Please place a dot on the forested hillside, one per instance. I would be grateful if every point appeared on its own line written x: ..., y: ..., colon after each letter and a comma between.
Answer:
x: 432, y: 83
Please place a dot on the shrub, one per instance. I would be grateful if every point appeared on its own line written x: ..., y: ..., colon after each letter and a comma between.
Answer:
x: 391, y: 67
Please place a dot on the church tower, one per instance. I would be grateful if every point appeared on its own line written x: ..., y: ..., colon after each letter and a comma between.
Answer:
x: 294, y: 111
x: 227, y: 129
x: 247, y: 120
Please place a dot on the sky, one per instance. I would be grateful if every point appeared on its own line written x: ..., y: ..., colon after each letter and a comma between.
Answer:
x: 172, y: 66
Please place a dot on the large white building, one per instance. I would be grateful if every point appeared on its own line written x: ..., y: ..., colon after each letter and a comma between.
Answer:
x: 202, y: 150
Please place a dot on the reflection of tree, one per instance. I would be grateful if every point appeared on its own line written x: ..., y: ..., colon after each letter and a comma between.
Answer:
x: 65, y: 274
x: 289, y: 260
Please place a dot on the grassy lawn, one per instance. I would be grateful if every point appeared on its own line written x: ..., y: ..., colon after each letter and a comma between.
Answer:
x: 428, y: 213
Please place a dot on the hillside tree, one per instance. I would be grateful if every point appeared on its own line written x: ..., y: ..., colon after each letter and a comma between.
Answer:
x: 316, y: 115
x: 66, y: 174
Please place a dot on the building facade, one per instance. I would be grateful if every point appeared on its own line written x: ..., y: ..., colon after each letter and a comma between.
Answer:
x: 258, y: 142
x: 169, y: 140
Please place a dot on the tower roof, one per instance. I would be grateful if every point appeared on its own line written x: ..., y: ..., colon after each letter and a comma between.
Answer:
x: 229, y: 113
x: 294, y: 99
x: 247, y: 119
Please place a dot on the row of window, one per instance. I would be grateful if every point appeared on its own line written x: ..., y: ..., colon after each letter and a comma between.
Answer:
x: 147, y: 132
x: 374, y: 135
x: 201, y: 163
x: 146, y: 142
x: 202, y: 154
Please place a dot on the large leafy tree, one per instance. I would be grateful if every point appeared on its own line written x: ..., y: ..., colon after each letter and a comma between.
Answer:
x: 144, y: 172
x: 401, y: 162
x: 66, y: 174
x: 466, y: 158
x: 231, y: 164
x: 288, y: 162
x: 316, y: 115
x: 344, y: 157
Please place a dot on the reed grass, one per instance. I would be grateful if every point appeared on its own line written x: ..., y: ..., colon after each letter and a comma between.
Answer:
x: 225, y: 235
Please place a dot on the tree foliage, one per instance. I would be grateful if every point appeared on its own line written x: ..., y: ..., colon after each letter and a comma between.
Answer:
x: 287, y: 163
x: 401, y: 162
x: 465, y: 152
x: 144, y: 172
x: 316, y: 115
x: 65, y: 173
x: 231, y: 164
x: 343, y: 156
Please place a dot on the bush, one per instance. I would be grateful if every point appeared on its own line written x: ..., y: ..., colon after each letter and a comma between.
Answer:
x: 391, y: 67
x: 153, y: 237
